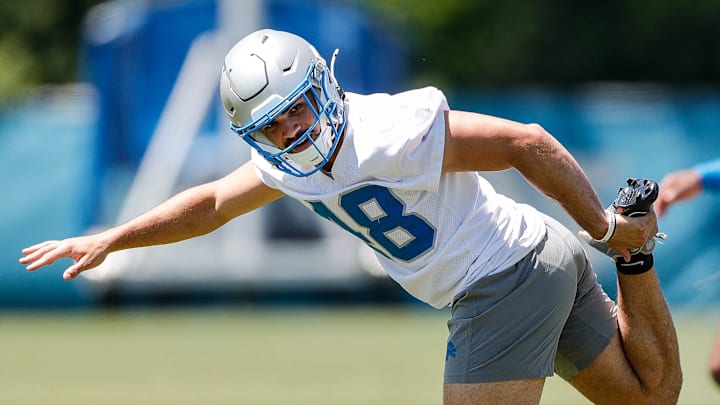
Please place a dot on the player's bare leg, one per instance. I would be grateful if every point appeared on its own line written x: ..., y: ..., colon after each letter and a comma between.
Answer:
x: 641, y: 364
x: 518, y: 392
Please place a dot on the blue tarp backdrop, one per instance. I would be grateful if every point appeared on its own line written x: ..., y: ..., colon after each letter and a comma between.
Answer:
x: 58, y: 151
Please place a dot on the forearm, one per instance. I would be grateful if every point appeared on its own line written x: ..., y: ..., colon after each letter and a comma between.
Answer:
x: 546, y: 164
x: 192, y: 213
x: 483, y: 143
x: 188, y: 214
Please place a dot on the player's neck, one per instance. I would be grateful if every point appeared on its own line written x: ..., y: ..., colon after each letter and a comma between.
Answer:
x: 327, y: 168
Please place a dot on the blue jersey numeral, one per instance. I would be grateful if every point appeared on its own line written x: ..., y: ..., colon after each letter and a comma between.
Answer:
x: 401, y: 236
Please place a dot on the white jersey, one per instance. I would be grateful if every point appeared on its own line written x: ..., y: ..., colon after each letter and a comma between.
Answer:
x: 434, y: 233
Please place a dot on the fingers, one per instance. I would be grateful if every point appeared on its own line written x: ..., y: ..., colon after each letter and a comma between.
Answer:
x: 625, y: 254
x: 82, y: 264
x: 678, y: 186
x: 661, y: 207
x: 664, y: 201
x: 42, y: 254
x: 33, y: 248
x: 72, y: 271
x: 86, y: 251
x: 633, y: 232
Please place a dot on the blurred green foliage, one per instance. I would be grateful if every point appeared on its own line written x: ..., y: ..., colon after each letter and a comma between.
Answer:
x: 457, y: 43
x: 39, y: 43
x: 261, y: 355
x: 481, y: 43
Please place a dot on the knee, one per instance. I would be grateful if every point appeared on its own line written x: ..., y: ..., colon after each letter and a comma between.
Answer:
x: 677, y: 385
x: 670, y: 389
x: 662, y: 390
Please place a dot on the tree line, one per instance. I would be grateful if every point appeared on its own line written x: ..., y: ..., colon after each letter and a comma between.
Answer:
x: 456, y: 43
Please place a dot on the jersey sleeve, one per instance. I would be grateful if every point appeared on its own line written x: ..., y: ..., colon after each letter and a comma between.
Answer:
x: 272, y: 177
x: 710, y: 174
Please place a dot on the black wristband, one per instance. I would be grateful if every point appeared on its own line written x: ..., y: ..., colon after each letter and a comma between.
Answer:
x: 639, y: 263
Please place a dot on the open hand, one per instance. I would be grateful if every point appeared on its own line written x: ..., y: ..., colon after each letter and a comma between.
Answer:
x: 87, y: 251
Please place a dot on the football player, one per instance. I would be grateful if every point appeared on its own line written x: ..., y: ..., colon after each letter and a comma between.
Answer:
x: 402, y: 173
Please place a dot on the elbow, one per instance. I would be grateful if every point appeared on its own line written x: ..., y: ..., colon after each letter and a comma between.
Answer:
x: 537, y: 131
x: 535, y: 143
x: 666, y: 393
x: 535, y: 138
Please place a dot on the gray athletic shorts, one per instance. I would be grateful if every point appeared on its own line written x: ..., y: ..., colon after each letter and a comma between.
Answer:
x: 545, y: 314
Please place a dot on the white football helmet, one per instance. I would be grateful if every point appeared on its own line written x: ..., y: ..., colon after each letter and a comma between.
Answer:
x: 263, y: 75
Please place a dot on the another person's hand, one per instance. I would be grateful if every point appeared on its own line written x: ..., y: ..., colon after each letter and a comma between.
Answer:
x: 677, y: 186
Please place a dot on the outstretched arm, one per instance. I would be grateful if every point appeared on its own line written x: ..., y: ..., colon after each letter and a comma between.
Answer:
x: 476, y: 142
x: 193, y: 212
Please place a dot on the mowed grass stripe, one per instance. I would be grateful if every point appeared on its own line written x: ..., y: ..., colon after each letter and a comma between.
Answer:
x: 367, y: 355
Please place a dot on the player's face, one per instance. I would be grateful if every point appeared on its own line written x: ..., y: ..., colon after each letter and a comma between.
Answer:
x: 291, y: 125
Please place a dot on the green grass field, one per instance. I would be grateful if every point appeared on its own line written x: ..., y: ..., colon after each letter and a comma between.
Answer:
x: 252, y: 356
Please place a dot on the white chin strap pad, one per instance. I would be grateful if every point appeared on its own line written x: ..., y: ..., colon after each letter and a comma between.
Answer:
x: 315, y: 154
